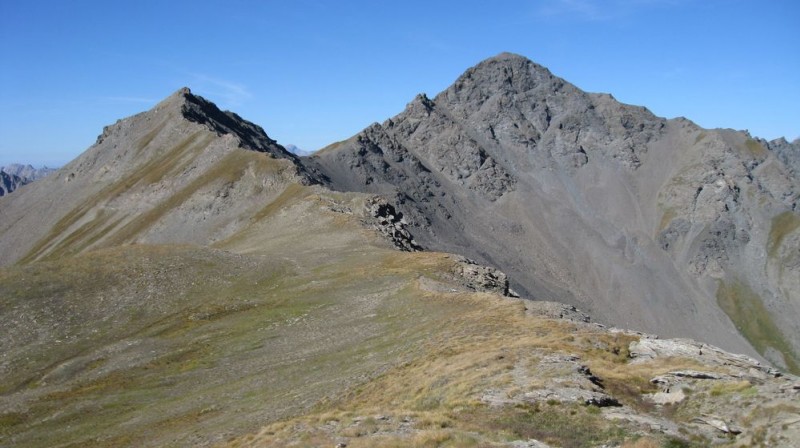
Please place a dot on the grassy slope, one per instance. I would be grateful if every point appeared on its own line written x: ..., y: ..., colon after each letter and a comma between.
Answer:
x: 145, y: 345
x: 747, y: 311
x: 437, y: 394
x: 487, y: 345
x: 328, y: 339
x: 303, y: 321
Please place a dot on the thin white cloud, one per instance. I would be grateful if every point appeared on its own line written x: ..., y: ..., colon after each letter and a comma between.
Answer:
x: 228, y: 93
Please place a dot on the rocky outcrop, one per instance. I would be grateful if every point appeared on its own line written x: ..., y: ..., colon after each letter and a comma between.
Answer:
x: 476, y: 277
x: 650, y: 347
x: 390, y: 223
x: 199, y: 110
x: 555, y: 310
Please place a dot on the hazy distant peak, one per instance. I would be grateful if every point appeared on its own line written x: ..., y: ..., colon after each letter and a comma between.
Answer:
x: 296, y: 150
x: 26, y: 173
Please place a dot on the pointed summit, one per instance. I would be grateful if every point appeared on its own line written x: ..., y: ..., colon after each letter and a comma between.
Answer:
x: 182, y: 172
x: 199, y: 110
x: 196, y: 109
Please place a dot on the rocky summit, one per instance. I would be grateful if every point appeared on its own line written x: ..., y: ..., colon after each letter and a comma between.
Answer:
x: 488, y: 268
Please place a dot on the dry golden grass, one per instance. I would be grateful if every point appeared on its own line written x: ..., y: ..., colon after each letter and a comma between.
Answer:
x: 645, y: 442
x: 439, y: 391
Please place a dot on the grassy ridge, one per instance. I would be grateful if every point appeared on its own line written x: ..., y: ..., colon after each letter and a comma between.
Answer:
x: 245, y: 330
x: 489, y: 345
x: 140, y: 345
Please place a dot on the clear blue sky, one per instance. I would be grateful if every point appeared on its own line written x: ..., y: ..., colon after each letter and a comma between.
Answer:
x: 315, y: 72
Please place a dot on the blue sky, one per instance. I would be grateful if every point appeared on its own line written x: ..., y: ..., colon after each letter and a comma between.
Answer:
x: 315, y: 72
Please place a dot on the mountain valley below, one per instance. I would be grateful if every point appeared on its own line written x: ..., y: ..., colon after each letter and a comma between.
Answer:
x: 512, y: 263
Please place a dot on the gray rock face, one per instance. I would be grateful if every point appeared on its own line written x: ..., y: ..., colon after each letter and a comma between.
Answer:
x: 643, y: 222
x: 391, y: 225
x: 251, y: 136
x: 787, y: 152
x: 476, y: 277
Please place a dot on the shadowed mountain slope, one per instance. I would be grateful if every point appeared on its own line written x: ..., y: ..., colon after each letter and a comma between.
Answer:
x: 644, y: 222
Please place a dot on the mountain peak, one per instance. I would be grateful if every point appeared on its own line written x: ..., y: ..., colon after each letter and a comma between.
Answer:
x: 503, y: 73
x: 199, y: 110
x: 514, y: 64
x: 176, y: 99
x: 507, y: 56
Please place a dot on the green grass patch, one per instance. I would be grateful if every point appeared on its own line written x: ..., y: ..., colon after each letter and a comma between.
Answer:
x: 753, y: 321
x: 755, y: 148
x: 11, y: 419
x: 782, y: 226
x: 726, y: 388
x: 570, y: 426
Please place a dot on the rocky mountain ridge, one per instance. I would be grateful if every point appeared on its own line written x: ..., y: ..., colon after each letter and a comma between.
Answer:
x: 187, y: 281
x: 27, y: 171
x: 645, y: 222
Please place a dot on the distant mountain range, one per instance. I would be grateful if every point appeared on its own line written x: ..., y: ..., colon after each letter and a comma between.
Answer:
x: 297, y: 151
x: 188, y: 281
x: 16, y: 175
